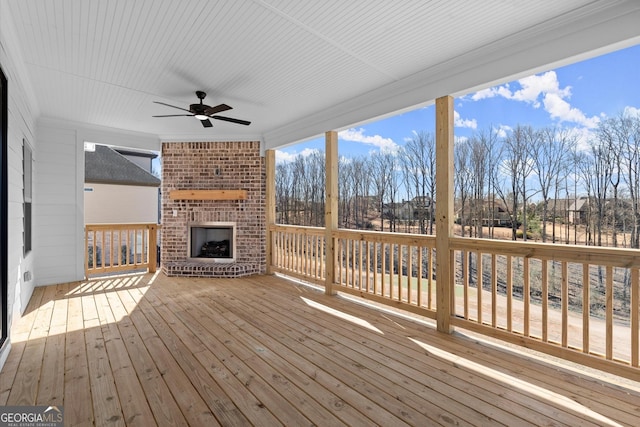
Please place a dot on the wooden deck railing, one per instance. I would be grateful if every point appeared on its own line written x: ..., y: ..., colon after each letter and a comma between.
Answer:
x: 299, y: 252
x: 392, y: 268
x: 570, y: 301
x: 112, y: 248
x: 579, y: 303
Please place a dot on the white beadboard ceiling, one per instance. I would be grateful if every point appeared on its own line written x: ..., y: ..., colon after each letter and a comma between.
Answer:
x: 294, y: 68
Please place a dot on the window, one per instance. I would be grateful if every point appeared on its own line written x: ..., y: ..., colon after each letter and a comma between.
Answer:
x: 27, y: 180
x: 4, y: 203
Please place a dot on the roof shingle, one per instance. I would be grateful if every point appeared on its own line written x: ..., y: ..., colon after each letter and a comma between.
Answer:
x: 107, y: 166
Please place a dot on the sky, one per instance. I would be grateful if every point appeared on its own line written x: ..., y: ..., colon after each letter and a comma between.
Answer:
x: 576, y: 96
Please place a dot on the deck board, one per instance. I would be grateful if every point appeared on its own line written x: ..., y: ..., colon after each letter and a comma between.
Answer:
x: 152, y: 350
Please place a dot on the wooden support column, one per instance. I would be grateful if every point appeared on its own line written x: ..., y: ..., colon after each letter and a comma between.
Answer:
x: 444, y: 212
x: 153, y: 248
x: 330, y: 208
x: 270, y: 209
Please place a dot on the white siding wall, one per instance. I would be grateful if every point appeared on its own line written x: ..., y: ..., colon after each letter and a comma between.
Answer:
x: 58, y: 209
x: 118, y: 204
x: 21, y: 125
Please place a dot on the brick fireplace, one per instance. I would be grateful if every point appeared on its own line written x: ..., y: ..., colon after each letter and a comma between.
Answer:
x: 209, y: 185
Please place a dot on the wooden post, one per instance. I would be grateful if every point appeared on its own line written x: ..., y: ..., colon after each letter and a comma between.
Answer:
x: 330, y: 208
x: 153, y: 248
x: 444, y: 212
x: 86, y: 252
x: 270, y: 211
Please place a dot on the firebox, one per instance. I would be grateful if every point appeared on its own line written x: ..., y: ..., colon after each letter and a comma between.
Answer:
x: 212, y: 241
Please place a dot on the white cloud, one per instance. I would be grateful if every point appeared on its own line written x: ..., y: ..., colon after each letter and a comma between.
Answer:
x: 544, y: 84
x: 503, y: 130
x: 560, y: 109
x: 542, y: 90
x: 464, y: 123
x: 583, y: 136
x: 284, y: 157
x: 630, y: 111
x: 357, y: 135
x: 492, y: 92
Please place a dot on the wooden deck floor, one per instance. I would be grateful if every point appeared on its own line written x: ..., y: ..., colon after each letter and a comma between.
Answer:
x: 150, y: 350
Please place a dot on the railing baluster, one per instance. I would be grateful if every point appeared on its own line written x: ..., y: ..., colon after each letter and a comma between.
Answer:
x: 479, y: 285
x: 565, y: 304
x: 354, y: 268
x: 296, y: 252
x: 391, y: 269
x: 368, y: 267
x: 466, y: 259
x: 400, y: 274
x: 545, y: 300
x: 419, y: 274
x: 409, y: 273
x: 526, y: 296
x: 509, y: 293
x: 609, y: 312
x: 494, y: 291
x: 345, y: 261
x: 360, y: 261
x: 375, y: 268
x: 635, y: 308
x: 430, y: 279
x: 586, y: 307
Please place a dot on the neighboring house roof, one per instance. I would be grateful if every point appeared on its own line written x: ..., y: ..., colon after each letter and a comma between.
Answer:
x: 106, y: 166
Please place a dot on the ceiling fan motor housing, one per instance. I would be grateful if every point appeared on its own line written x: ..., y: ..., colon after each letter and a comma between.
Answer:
x: 198, y: 108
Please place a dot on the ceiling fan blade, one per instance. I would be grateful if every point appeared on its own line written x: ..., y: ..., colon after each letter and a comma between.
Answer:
x: 217, y: 109
x: 172, y: 106
x: 175, y: 115
x: 232, y: 120
x: 206, y: 123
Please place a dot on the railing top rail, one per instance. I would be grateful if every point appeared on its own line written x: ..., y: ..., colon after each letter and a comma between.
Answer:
x: 372, y: 236
x: 121, y: 226
x: 387, y: 237
x: 297, y: 228
x: 617, y: 257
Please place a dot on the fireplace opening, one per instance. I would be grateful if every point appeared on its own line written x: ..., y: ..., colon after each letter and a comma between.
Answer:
x: 212, y: 242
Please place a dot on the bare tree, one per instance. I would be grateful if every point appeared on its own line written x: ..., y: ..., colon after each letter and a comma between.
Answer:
x: 420, y: 163
x: 516, y: 168
x: 611, y: 147
x: 382, y: 170
x: 463, y: 178
x: 283, y: 192
x: 482, y: 162
x: 626, y: 130
x: 548, y: 154
x: 346, y: 191
x: 361, y: 184
x: 600, y: 179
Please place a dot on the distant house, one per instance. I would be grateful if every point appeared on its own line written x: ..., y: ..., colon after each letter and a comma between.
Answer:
x: 416, y: 208
x: 574, y: 210
x: 119, y: 186
x: 493, y: 213
x: 423, y: 207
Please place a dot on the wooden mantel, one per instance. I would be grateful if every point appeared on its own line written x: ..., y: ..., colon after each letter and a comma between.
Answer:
x: 208, y: 194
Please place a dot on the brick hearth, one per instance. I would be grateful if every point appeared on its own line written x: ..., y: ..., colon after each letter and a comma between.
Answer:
x: 213, y: 166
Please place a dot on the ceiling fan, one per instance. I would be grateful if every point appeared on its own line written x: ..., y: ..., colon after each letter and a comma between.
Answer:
x: 203, y: 112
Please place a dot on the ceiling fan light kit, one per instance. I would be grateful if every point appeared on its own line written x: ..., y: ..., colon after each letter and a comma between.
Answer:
x: 204, y: 112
